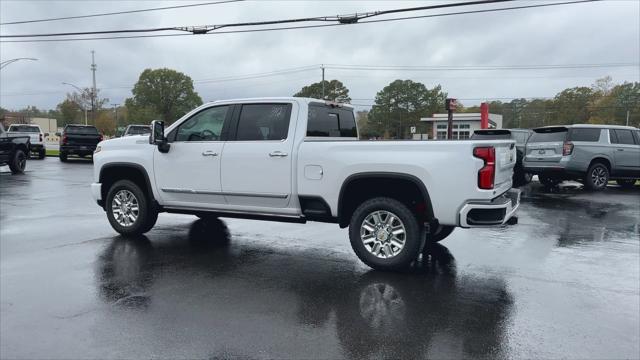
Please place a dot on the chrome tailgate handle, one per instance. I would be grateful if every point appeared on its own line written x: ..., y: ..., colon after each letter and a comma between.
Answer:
x: 278, y: 154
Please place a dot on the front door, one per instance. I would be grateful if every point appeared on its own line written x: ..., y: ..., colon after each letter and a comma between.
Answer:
x: 189, y: 174
x: 257, y: 159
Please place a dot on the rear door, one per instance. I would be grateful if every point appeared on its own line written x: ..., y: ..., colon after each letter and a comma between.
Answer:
x: 626, y: 153
x: 257, y: 160
x: 544, y: 147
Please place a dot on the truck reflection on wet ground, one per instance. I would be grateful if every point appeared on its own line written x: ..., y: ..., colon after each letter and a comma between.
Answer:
x: 374, y: 313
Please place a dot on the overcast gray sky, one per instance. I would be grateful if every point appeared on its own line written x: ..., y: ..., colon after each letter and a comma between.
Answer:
x: 604, y: 32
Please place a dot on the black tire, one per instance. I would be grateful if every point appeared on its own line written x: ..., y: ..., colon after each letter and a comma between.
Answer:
x: 413, y: 234
x: 627, y: 183
x: 549, y: 181
x: 597, y: 177
x: 41, y: 154
x: 19, y: 162
x: 147, y: 214
x: 62, y: 156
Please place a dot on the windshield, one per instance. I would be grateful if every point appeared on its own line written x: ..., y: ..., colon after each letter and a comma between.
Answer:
x: 23, y: 128
x: 138, y: 130
x: 548, y: 135
x: 83, y: 130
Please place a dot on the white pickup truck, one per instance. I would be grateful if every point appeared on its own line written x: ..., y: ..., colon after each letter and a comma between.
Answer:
x: 35, y: 134
x: 299, y: 160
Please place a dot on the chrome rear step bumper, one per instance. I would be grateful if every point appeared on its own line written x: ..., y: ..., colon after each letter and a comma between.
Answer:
x: 498, y: 211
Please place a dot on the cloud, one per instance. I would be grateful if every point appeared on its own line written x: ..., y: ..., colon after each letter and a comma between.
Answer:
x: 587, y: 33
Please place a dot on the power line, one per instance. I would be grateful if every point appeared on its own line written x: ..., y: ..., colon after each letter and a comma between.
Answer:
x: 206, y: 31
x: 117, y: 12
x: 342, y: 19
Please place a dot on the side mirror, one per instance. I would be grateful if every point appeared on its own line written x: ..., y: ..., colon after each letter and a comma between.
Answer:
x: 157, y: 136
x: 58, y: 134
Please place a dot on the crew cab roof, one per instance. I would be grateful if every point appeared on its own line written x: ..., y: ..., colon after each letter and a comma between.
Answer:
x: 284, y: 98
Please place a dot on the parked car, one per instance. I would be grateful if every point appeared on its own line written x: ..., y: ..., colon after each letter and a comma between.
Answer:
x: 591, y: 154
x: 137, y: 130
x: 14, y: 150
x: 520, y: 136
x: 35, y: 134
x: 299, y: 160
x: 78, y: 140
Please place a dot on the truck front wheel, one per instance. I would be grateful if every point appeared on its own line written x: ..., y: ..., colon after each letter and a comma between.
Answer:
x: 129, y: 210
x: 385, y: 234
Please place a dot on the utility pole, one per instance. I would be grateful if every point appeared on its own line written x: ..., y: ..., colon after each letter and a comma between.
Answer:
x: 627, y: 117
x: 93, y: 90
x: 451, y: 107
x: 322, y: 67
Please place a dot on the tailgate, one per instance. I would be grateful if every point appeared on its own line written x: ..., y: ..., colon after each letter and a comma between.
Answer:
x: 83, y: 139
x: 505, y: 161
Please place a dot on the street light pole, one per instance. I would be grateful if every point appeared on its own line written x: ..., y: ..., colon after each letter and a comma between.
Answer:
x: 115, y: 109
x: 11, y: 61
x: 81, y: 94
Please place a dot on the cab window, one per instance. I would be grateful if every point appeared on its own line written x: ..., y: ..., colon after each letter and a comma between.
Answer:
x: 263, y: 122
x: 203, y: 126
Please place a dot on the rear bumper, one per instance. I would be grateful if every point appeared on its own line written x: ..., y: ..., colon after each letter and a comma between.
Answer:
x: 495, y: 212
x: 78, y: 149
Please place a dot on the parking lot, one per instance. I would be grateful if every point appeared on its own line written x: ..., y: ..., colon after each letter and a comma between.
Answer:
x: 562, y: 283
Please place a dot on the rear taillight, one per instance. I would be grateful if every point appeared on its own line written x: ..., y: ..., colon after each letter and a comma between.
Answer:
x: 40, y: 137
x: 64, y: 139
x: 487, y: 174
x: 567, y: 148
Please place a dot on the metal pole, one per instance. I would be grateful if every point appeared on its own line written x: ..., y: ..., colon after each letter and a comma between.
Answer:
x: 627, y: 117
x: 115, y: 108
x: 322, y: 66
x: 93, y: 91
x: 450, y: 124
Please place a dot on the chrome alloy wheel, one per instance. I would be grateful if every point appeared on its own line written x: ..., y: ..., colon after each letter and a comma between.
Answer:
x: 599, y: 176
x: 124, y: 208
x: 383, y: 234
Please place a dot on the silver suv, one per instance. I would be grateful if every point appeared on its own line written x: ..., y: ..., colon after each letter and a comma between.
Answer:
x: 591, y: 154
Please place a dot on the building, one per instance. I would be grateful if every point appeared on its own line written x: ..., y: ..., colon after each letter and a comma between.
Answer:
x: 464, y: 124
x: 48, y: 125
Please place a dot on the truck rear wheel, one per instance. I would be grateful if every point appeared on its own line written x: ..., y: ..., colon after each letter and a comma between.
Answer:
x: 41, y: 154
x: 597, y: 177
x: 62, y: 156
x: 18, y: 163
x: 129, y: 210
x: 385, y: 234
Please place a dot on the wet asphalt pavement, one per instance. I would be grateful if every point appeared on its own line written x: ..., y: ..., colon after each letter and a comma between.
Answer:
x: 563, y: 283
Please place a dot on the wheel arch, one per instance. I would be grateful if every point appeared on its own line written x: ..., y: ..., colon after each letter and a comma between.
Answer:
x: 345, y: 208
x: 110, y: 173
x: 601, y: 159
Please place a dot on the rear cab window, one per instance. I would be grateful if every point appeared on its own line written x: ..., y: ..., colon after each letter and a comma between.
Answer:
x: 548, y: 135
x: 584, y: 134
x: 23, y: 128
x: 82, y: 130
x: 328, y: 121
x: 263, y: 122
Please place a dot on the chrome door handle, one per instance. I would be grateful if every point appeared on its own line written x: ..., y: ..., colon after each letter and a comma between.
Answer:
x: 620, y: 149
x: 278, y: 154
x: 209, y: 153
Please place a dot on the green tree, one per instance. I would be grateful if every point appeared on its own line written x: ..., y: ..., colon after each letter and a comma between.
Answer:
x: 167, y: 93
x: 401, y: 104
x: 70, y: 112
x: 334, y: 90
x: 571, y: 106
